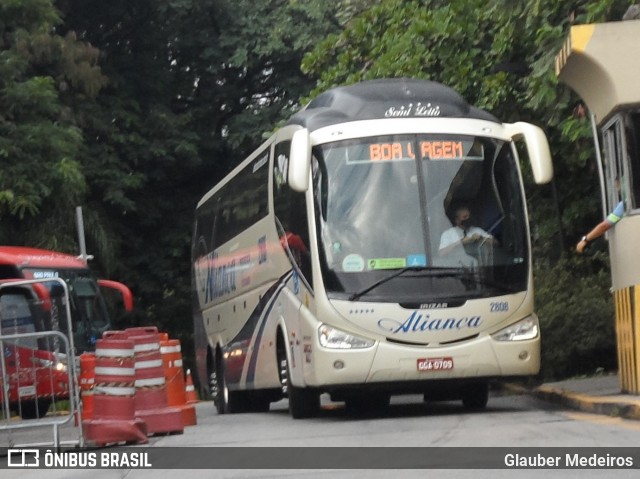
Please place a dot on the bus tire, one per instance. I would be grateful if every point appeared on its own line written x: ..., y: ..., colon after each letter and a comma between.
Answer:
x: 225, y: 401
x: 303, y: 402
x: 475, y: 396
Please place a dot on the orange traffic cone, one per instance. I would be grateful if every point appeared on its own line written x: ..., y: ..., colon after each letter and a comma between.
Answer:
x: 87, y: 383
x: 174, y: 380
x: 190, y: 390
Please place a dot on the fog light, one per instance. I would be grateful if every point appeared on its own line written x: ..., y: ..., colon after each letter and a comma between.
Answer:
x: 524, y: 355
x: 338, y: 364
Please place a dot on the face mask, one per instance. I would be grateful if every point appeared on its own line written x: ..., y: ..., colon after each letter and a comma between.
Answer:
x: 465, y: 223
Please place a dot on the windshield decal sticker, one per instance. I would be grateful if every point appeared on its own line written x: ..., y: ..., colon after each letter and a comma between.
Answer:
x: 353, y: 263
x: 387, y: 263
x: 416, y: 260
x: 419, y: 322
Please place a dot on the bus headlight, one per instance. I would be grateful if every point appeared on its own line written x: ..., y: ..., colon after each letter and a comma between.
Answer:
x: 50, y: 364
x: 524, y: 329
x: 335, y: 339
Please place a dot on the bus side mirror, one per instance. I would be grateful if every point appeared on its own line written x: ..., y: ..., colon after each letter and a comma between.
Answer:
x: 537, y: 149
x: 122, y: 289
x: 300, y: 161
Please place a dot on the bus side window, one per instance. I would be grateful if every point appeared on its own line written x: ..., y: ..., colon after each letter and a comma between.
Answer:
x: 16, y: 316
x: 291, y: 212
x: 632, y: 134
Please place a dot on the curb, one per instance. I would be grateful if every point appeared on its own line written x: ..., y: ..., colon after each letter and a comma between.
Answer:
x: 607, y: 406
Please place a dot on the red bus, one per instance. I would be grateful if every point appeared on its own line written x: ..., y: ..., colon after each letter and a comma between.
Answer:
x: 33, y: 366
x: 89, y: 314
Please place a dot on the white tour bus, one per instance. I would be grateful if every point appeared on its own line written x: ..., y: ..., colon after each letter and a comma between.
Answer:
x: 377, y: 244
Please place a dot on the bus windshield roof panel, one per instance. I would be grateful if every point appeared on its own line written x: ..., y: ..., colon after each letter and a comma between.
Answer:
x: 386, y: 99
x: 34, y: 257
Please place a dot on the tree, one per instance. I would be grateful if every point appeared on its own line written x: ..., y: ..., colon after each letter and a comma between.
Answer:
x: 41, y: 179
x: 193, y: 87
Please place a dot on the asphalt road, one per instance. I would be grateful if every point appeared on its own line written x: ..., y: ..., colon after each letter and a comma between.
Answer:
x: 510, y: 421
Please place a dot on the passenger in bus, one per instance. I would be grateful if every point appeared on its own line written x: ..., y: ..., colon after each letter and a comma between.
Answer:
x: 296, y: 246
x: 462, y: 236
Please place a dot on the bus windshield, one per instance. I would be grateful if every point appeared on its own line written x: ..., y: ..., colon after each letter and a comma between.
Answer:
x: 89, y: 314
x: 447, y: 209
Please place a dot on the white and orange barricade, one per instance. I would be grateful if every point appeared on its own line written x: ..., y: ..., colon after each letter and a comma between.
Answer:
x: 150, y: 384
x: 114, y: 416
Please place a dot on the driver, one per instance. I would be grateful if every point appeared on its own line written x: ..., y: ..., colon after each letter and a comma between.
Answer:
x: 462, y: 233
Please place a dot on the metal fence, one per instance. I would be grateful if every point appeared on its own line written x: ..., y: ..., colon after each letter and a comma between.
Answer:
x: 38, y: 366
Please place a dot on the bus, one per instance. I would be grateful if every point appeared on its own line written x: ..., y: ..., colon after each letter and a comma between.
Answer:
x: 89, y: 314
x: 33, y: 370
x: 596, y: 63
x: 320, y: 264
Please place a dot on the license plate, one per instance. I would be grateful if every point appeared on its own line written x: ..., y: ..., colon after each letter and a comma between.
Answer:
x: 435, y: 364
x: 26, y: 391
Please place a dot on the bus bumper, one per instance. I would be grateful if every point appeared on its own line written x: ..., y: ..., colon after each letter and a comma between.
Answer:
x: 387, y: 362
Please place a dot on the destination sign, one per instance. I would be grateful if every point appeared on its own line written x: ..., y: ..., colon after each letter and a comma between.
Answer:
x: 428, y: 150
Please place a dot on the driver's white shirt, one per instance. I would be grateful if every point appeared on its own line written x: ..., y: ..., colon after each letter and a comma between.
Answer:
x: 456, y: 233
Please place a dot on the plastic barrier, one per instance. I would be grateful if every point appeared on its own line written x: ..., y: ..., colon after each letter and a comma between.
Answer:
x: 87, y: 383
x: 114, y: 415
x: 33, y: 382
x: 174, y: 377
x: 150, y: 386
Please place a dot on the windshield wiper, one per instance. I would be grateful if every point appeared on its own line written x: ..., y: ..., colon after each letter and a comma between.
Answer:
x: 395, y: 274
x: 459, y: 273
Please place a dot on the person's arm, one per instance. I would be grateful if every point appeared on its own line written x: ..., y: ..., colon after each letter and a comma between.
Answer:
x: 479, y: 234
x: 449, y: 240
x: 601, y: 228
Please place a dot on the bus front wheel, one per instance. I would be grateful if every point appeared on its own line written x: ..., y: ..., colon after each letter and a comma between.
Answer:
x: 303, y: 402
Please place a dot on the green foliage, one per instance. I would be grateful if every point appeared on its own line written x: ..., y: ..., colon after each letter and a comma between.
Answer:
x: 40, y: 72
x: 576, y: 317
x: 30, y: 15
x: 193, y: 85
